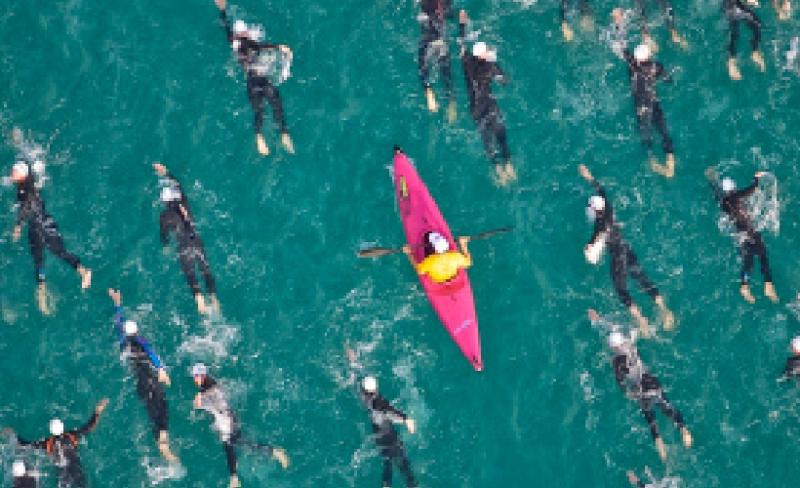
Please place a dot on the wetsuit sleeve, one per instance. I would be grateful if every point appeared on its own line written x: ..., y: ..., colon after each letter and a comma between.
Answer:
x: 223, y: 17
x: 119, y: 319
x: 88, y: 427
x: 154, y: 359
x: 384, y: 406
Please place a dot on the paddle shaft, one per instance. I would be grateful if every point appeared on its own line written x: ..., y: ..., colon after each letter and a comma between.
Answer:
x: 375, y: 252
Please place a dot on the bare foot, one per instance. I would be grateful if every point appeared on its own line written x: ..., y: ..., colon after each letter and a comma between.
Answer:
x: 567, y: 31
x: 644, y: 327
x: 662, y: 449
x: 769, y: 292
x: 214, y: 304
x: 452, y: 111
x: 261, y: 144
x: 86, y: 277
x: 234, y: 483
x: 681, y: 41
x: 163, y: 447
x: 745, y: 291
x: 593, y: 315
x: 201, y: 303
x: 758, y: 58
x: 286, y: 140
x: 668, y: 317
x: 430, y: 98
x: 733, y: 69
x: 587, y: 23
x: 280, y: 455
x: 687, y: 438
x: 41, y: 299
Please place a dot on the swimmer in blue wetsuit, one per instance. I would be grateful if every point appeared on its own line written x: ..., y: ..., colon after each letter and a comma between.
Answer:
x: 149, y: 372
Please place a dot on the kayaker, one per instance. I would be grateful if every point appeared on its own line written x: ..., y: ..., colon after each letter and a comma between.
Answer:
x: 149, y: 372
x: 433, y: 49
x: 737, y: 12
x: 248, y: 46
x: 440, y: 263
x: 480, y: 70
x: 213, y: 399
x: 607, y: 233
x: 644, y: 73
x: 176, y: 217
x: 383, y: 416
x: 62, y: 446
x: 751, y: 244
x: 792, y: 369
x: 642, y: 387
x: 43, y: 231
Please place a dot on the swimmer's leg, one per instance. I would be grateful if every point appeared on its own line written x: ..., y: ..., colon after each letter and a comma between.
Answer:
x: 676, y: 417
x: 566, y: 30
x: 55, y: 243
x: 186, y: 258
x: 255, y: 92
x: 746, y: 250
x: 274, y: 99
x: 668, y: 168
x: 761, y: 251
x: 36, y: 243
x: 387, y: 471
x: 650, y: 417
x: 751, y: 19
x: 405, y: 468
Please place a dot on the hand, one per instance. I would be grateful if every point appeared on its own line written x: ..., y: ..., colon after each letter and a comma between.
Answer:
x: 220, y: 4
x: 463, y: 241
x: 160, y: 169
x: 593, y: 315
x: 584, y: 172
x: 198, y: 400
x: 407, y: 250
x: 411, y: 425
x: 279, y: 454
x: 633, y: 478
x: 16, y: 233
x: 101, y: 405
x: 351, y: 355
x: 710, y: 173
x: 285, y: 49
x: 761, y: 173
x: 163, y: 377
x: 116, y: 296
x: 462, y: 17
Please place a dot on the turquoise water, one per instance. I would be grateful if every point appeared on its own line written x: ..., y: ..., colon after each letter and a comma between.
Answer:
x: 113, y: 87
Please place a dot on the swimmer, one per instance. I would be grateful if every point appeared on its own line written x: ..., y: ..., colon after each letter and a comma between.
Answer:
x: 433, y: 48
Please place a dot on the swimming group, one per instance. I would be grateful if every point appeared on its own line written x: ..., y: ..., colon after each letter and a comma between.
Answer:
x: 441, y: 261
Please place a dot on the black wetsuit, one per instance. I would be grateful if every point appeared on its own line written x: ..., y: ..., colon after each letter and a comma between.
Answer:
x: 583, y: 6
x: 28, y: 480
x: 623, y: 261
x: 479, y: 75
x: 736, y: 12
x: 641, y: 386
x: 259, y: 86
x: 226, y: 423
x: 42, y: 228
x: 64, y: 450
x: 382, y: 415
x: 792, y: 369
x: 666, y: 6
x: 751, y: 244
x: 643, y: 78
x: 433, y: 46
x: 144, y: 364
x: 177, y: 217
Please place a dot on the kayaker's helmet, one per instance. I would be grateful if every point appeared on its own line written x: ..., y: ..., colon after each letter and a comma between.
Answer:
x: 728, y: 185
x: 18, y: 469
x: 56, y: 427
x: 616, y: 341
x: 239, y: 27
x: 370, y: 384
x: 479, y: 49
x: 597, y: 203
x: 796, y: 345
x: 438, y: 242
x: 130, y: 328
x: 169, y: 194
x: 642, y: 53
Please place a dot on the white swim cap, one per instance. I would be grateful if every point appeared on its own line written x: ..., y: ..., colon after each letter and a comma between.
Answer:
x: 169, y: 194
x: 239, y: 27
x: 370, y: 384
x: 56, y: 427
x: 642, y: 52
x: 130, y: 327
x: 728, y: 185
x: 439, y: 242
x: 256, y: 33
x: 18, y: 469
x: 199, y: 369
x: 479, y: 49
x: 20, y: 169
x: 616, y: 340
x: 796, y: 345
x: 597, y: 203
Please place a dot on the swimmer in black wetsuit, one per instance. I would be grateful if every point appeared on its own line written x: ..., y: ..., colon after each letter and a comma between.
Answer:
x: 669, y: 15
x: 480, y: 69
x: 737, y: 12
x: 586, y: 18
x: 63, y: 447
x: 644, y: 73
x: 383, y: 415
x: 751, y: 243
x: 212, y: 399
x: 42, y: 231
x: 433, y: 48
x: 149, y: 372
x: 642, y: 387
x: 248, y: 46
x: 176, y: 217
x: 24, y: 477
x: 623, y: 261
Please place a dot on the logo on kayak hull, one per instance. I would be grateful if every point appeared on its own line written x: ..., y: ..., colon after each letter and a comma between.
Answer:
x: 403, y: 187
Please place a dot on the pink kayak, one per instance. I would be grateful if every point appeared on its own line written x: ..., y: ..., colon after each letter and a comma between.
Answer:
x: 453, y: 300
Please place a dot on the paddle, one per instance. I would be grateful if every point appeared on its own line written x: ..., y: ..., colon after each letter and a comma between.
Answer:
x: 377, y: 252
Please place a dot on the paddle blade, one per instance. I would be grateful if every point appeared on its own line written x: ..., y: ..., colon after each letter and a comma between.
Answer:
x: 490, y: 233
x: 376, y: 252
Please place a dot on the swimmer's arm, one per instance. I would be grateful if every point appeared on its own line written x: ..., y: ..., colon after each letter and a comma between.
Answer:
x: 224, y: 18
x: 148, y: 349
x: 119, y: 314
x: 463, y: 19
